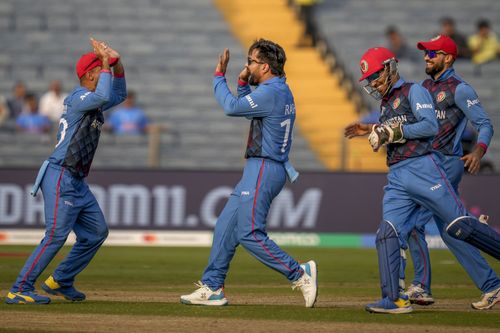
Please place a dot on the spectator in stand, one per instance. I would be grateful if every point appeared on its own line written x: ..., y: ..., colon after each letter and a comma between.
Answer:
x: 448, y: 28
x: 30, y: 121
x: 17, y: 101
x: 128, y: 119
x: 483, y: 44
x: 397, y: 44
x: 52, y: 102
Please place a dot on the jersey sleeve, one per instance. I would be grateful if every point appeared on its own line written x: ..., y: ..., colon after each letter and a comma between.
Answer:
x: 423, y: 109
x: 468, y: 101
x: 258, y: 103
x: 243, y: 89
x: 118, y: 93
x: 87, y: 100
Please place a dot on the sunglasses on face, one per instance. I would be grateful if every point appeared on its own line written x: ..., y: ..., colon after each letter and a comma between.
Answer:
x: 433, y: 54
x: 250, y: 61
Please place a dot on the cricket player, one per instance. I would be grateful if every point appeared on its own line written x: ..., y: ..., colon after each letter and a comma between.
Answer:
x: 68, y: 202
x: 416, y: 178
x: 455, y: 103
x: 271, y: 109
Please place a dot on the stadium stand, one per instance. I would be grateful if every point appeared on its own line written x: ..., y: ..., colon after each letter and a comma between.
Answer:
x: 350, y: 27
x: 324, y: 104
x: 169, y: 49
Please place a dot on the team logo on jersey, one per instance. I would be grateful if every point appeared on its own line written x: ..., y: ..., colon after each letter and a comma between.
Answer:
x: 396, y: 103
x: 440, y: 97
x: 364, y: 66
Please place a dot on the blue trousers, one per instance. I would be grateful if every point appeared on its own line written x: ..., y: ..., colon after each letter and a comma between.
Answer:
x: 467, y: 255
x: 415, y: 182
x: 243, y: 221
x: 69, y: 205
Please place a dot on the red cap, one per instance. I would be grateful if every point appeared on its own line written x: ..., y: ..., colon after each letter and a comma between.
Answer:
x: 440, y: 43
x: 374, y: 60
x: 89, y: 61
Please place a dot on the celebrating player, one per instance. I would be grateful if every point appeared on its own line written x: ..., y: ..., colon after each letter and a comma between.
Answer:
x: 271, y: 109
x: 456, y: 102
x: 68, y: 202
x: 416, y: 177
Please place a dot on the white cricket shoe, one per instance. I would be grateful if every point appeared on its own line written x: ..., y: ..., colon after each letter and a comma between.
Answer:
x: 487, y: 300
x: 418, y: 295
x: 308, y: 283
x: 205, y: 296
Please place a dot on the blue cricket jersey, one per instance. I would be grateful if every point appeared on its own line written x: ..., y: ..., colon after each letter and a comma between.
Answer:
x: 411, y: 105
x: 270, y: 107
x: 456, y: 102
x: 81, y: 122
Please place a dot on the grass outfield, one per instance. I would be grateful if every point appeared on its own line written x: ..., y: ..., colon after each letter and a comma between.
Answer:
x: 133, y: 289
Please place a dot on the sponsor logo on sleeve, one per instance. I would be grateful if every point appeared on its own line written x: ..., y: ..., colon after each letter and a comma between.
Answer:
x: 473, y: 102
x: 423, y: 106
x: 82, y: 97
x: 251, y: 102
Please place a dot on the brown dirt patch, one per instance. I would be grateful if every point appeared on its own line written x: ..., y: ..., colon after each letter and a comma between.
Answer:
x: 295, y: 298
x: 94, y: 323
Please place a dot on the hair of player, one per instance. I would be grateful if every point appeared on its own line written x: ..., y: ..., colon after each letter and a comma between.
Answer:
x: 272, y: 54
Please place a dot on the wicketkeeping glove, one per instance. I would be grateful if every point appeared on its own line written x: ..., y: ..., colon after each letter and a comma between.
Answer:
x: 384, y: 134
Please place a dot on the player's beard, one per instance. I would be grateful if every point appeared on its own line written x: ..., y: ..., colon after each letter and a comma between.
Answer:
x: 252, y: 80
x: 437, y: 68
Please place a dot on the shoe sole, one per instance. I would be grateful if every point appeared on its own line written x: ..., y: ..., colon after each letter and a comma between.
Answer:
x: 23, y: 302
x: 422, y: 302
x: 26, y: 303
x: 490, y: 306
x: 48, y: 290
x: 222, y: 302
x: 314, y: 276
x: 390, y: 311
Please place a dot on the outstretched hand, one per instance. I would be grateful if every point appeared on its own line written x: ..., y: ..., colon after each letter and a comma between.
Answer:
x: 99, y: 49
x: 357, y: 129
x: 223, y: 61
x: 472, y: 161
x: 111, y: 53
